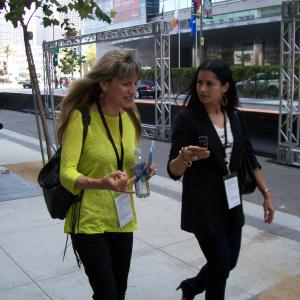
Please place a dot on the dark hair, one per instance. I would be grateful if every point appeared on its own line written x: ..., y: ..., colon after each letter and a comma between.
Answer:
x: 223, y: 73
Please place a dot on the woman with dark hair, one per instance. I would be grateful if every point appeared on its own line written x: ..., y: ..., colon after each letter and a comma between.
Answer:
x: 208, y: 141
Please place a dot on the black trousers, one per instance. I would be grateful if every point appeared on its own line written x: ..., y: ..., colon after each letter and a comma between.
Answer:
x: 221, y: 252
x: 106, y: 260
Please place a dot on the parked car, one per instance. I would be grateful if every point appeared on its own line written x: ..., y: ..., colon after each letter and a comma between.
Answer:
x: 146, y: 88
x: 26, y: 83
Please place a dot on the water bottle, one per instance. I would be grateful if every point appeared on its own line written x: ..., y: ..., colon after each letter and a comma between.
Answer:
x: 142, y: 189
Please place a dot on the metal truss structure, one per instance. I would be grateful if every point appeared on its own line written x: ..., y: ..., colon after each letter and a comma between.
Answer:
x: 161, y: 130
x: 289, y: 113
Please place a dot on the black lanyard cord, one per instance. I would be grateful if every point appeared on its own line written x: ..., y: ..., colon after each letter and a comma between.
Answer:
x: 226, y: 142
x: 119, y: 160
x: 225, y: 130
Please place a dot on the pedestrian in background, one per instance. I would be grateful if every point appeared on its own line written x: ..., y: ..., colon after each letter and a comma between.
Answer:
x: 103, y: 170
x: 215, y: 217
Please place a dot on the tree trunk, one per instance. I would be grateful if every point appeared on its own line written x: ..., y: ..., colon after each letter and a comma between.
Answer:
x: 36, y: 93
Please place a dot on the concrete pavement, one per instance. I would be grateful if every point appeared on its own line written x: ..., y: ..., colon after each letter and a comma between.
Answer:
x: 31, y: 245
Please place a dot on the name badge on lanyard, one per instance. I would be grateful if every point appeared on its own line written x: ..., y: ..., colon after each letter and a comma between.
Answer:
x: 232, y: 190
x: 231, y: 180
x: 124, y: 210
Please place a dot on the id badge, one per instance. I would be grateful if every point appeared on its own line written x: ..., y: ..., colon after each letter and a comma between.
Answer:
x: 124, y: 210
x: 232, y: 190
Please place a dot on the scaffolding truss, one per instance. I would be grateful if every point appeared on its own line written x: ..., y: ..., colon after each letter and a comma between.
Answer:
x: 161, y: 130
x: 289, y: 110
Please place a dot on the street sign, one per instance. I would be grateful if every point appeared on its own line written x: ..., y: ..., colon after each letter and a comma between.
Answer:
x: 55, y: 50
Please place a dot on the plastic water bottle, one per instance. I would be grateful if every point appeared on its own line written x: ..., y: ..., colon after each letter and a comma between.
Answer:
x: 142, y: 189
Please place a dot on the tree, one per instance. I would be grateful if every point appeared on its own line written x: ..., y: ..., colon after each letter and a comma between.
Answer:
x: 15, y: 11
x: 70, y: 61
x: 244, y: 57
x: 8, y: 51
x: 91, y: 56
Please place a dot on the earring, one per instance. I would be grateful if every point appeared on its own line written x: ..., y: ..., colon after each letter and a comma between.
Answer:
x: 224, y: 101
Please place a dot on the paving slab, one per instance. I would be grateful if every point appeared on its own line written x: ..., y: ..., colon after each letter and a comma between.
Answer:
x: 266, y: 260
x: 11, y: 274
x: 287, y: 290
x: 11, y: 153
x: 70, y: 286
x: 155, y: 275
x: 42, y: 251
x: 24, y: 214
x: 16, y: 187
x: 159, y: 221
x: 24, y: 292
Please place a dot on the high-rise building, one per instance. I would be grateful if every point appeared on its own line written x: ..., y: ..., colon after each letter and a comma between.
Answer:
x: 17, y: 64
x: 17, y: 61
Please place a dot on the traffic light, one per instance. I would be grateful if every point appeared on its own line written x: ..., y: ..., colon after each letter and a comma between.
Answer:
x: 55, y: 60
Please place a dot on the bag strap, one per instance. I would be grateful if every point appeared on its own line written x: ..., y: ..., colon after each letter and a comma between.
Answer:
x: 86, y: 120
x: 241, y: 121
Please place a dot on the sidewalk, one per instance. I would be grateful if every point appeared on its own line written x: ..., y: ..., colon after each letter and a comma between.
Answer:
x: 31, y: 244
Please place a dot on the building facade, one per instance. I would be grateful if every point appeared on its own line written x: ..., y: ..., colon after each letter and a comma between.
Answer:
x: 240, y: 32
x: 17, y: 61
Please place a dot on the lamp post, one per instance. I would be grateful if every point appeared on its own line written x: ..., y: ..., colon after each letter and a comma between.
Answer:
x: 200, y: 32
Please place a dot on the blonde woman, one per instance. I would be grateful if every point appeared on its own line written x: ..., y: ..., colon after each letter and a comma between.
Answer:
x: 102, y: 235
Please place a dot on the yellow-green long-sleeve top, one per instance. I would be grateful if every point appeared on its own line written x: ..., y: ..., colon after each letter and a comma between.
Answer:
x: 98, y: 212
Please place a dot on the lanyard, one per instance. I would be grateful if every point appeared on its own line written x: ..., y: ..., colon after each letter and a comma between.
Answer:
x: 226, y: 142
x: 120, y: 160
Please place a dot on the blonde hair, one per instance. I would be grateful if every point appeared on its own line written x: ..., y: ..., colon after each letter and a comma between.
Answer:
x: 84, y: 92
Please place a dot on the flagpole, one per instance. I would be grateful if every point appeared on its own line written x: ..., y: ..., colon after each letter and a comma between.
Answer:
x: 200, y: 34
x: 196, y: 46
x: 179, y: 46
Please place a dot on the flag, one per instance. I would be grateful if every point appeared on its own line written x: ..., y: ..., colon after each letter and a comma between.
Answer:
x: 175, y: 22
x: 207, y: 9
x: 193, y: 25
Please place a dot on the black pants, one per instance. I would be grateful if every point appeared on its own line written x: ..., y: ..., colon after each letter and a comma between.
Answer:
x: 221, y: 252
x: 106, y: 259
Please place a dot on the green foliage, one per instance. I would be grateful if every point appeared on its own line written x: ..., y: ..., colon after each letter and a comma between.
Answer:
x: 15, y: 10
x: 251, y: 81
x: 148, y: 74
x: 91, y: 56
x: 257, y: 81
x: 181, y: 79
x: 71, y: 61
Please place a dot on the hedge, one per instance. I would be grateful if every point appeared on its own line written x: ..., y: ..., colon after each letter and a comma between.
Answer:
x: 251, y: 81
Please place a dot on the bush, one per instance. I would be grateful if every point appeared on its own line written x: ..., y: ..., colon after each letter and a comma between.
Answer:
x: 251, y: 81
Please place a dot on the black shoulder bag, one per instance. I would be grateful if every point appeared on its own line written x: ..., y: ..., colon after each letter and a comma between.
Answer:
x: 58, y: 199
x: 246, y: 177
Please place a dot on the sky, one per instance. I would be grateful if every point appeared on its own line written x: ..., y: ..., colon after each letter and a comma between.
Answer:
x: 171, y: 4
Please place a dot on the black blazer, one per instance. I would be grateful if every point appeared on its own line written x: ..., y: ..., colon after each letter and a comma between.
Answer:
x: 204, y: 204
